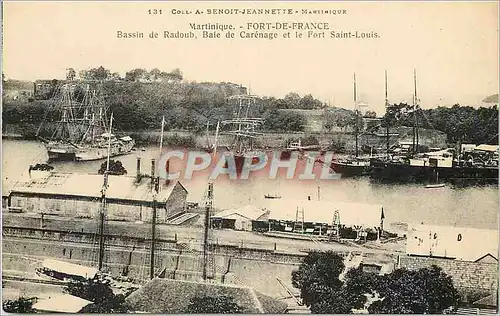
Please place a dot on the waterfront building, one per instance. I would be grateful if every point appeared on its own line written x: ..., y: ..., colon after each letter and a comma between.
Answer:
x: 361, y: 215
x: 239, y: 219
x: 79, y: 195
x: 468, y: 255
x: 460, y: 243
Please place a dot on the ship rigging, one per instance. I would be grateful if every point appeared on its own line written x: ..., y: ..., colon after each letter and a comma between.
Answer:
x: 81, y: 131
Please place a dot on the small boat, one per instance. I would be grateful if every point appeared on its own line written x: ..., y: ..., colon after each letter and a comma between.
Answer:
x: 434, y: 186
x: 272, y: 196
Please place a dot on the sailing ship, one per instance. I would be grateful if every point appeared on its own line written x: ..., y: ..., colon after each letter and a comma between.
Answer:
x: 243, y: 131
x: 81, y: 132
x: 353, y: 166
x: 445, y: 165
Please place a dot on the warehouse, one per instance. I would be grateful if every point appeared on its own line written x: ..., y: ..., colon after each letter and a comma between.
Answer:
x: 239, y: 219
x: 79, y: 195
x: 345, y: 220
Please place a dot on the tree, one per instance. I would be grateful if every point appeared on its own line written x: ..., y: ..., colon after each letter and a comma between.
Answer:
x: 103, y: 298
x: 176, y: 75
x: 155, y: 74
x: 136, y: 74
x: 318, y: 276
x: 115, y: 168
x: 71, y: 74
x: 20, y: 306
x: 324, y: 289
x: 423, y: 291
x: 99, y: 73
x: 220, y: 304
x: 284, y: 121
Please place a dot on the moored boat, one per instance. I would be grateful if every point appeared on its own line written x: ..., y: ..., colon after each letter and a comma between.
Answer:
x: 80, y: 134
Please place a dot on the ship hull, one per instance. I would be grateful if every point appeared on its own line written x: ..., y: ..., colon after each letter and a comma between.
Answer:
x: 350, y: 169
x: 93, y: 153
x: 62, y: 152
x: 60, y: 156
x: 405, y: 173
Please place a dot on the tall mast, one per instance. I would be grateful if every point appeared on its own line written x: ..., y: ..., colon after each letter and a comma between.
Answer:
x: 102, y: 213
x: 155, y: 181
x: 387, y: 117
x: 356, y: 129
x: 416, y: 111
x: 415, y: 127
x: 216, y: 137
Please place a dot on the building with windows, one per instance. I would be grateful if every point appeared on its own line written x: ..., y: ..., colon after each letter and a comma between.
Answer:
x: 461, y: 243
x: 79, y: 195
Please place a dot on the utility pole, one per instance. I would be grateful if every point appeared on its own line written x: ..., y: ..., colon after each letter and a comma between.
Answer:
x: 155, y: 182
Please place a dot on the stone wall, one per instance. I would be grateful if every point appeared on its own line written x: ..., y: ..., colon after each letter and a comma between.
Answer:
x: 24, y: 249
x: 470, y: 278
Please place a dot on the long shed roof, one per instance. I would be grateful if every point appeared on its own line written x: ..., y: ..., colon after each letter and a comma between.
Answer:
x: 70, y: 268
x: 249, y: 211
x: 61, y: 303
x: 90, y: 185
x: 351, y: 214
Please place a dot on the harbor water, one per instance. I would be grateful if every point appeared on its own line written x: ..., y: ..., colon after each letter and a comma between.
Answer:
x: 408, y: 203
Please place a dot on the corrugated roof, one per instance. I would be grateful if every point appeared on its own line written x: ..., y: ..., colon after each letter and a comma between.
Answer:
x: 70, y: 268
x: 248, y: 211
x: 61, y: 303
x: 90, y: 185
x: 461, y: 243
x: 366, y: 215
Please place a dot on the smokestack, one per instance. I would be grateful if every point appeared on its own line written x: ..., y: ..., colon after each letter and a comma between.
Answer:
x: 138, y: 166
x: 167, y: 169
x: 138, y: 172
x: 152, y: 168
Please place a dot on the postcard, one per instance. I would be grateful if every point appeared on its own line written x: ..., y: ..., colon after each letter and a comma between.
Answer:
x: 250, y: 157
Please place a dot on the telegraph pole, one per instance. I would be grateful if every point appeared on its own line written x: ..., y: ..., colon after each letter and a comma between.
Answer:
x: 155, y: 182
x: 102, y: 213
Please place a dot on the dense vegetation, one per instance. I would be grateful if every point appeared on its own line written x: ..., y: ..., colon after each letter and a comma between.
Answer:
x: 461, y: 123
x: 20, y: 306
x: 324, y: 288
x: 100, y: 294
x: 142, y: 97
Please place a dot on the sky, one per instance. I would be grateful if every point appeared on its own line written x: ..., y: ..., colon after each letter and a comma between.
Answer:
x: 452, y: 45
